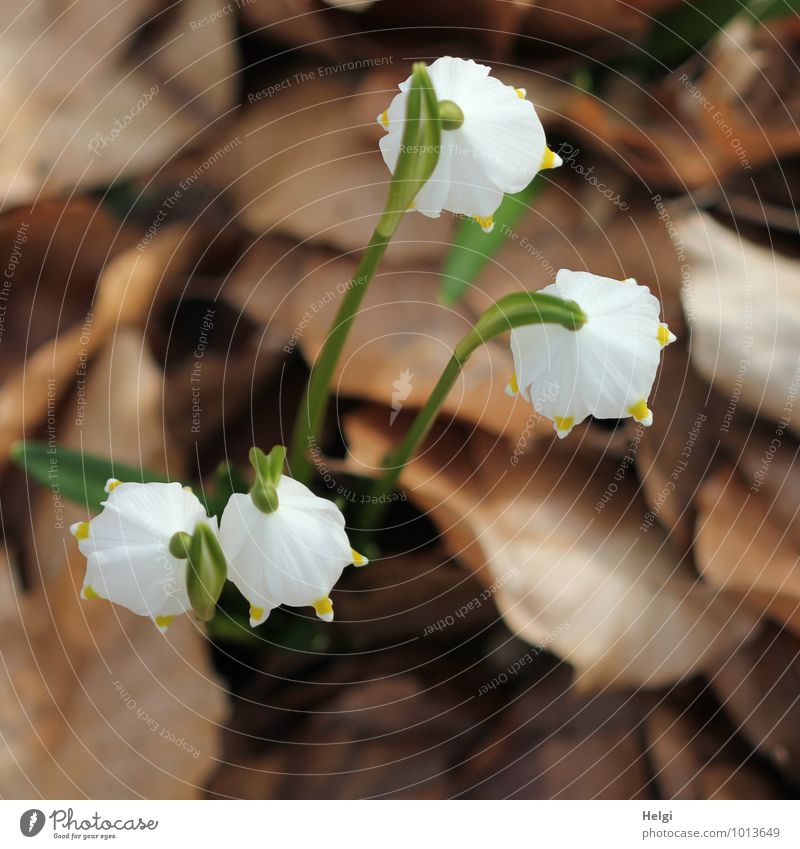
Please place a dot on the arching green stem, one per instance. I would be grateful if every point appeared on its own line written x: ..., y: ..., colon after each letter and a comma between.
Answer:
x: 514, y: 310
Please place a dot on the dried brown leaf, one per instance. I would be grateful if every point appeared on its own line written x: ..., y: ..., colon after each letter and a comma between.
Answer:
x: 575, y: 566
x: 742, y: 546
x: 692, y: 760
x: 759, y: 687
x: 743, y: 306
x: 84, y: 108
x: 97, y: 703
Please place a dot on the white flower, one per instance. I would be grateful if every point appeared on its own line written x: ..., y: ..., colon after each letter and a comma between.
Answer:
x: 606, y: 368
x: 292, y: 556
x: 499, y: 147
x: 127, y: 548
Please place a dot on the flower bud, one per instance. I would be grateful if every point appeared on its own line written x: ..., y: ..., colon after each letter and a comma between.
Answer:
x: 206, y: 572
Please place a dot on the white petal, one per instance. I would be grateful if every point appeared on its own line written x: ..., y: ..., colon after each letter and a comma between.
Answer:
x: 498, y: 149
x: 605, y: 369
x: 127, y: 547
x: 293, y: 556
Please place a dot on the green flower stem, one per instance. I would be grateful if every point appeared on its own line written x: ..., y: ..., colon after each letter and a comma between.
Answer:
x: 514, y: 310
x: 420, y: 150
x: 395, y: 462
x: 315, y: 398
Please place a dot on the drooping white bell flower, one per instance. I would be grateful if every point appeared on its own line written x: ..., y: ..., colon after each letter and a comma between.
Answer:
x: 128, y: 559
x: 292, y: 555
x: 606, y: 368
x: 498, y: 148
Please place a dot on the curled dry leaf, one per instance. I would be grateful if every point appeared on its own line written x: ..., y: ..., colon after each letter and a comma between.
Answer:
x: 53, y: 254
x: 127, y: 290
x: 712, y: 119
x: 744, y: 546
x: 675, y: 453
x: 694, y: 760
x: 577, y: 568
x: 760, y: 690
x: 742, y: 108
x: 743, y: 306
x: 85, y: 107
x: 97, y: 703
x: 766, y: 460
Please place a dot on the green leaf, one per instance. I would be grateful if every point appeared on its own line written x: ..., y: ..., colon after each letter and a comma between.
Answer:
x: 472, y: 248
x: 688, y: 27
x: 77, y: 476
x: 765, y: 10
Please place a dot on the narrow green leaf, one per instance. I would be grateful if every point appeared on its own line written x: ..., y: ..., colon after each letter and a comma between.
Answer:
x: 765, y: 10
x: 77, y: 476
x: 472, y: 248
x: 688, y: 27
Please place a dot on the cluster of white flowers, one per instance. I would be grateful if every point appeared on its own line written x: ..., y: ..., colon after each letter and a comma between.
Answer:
x: 606, y: 368
x: 281, y: 544
x: 293, y: 555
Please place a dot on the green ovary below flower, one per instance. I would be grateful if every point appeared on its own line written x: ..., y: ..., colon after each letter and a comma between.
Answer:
x: 127, y: 548
x: 606, y: 368
x: 293, y: 554
x: 493, y: 141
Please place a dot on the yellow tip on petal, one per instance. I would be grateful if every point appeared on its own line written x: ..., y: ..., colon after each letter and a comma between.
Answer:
x: 521, y: 93
x: 641, y: 413
x: 88, y: 593
x: 486, y: 223
x: 358, y: 559
x: 324, y: 609
x: 80, y: 530
x: 383, y: 119
x: 111, y: 485
x: 163, y: 622
x: 563, y: 425
x: 257, y: 615
x: 664, y: 335
x: 550, y: 160
x: 512, y: 387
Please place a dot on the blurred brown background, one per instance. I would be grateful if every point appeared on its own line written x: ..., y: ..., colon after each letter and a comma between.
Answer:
x: 613, y: 616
